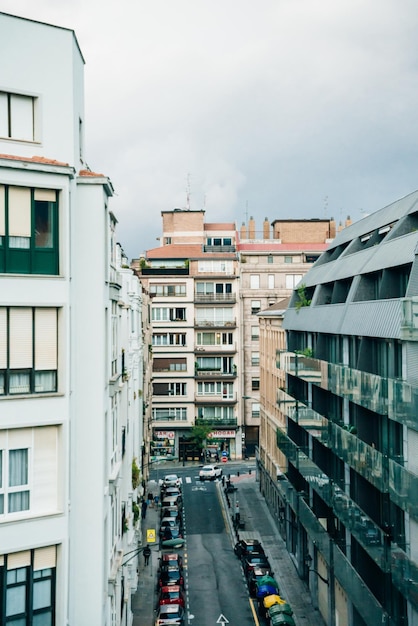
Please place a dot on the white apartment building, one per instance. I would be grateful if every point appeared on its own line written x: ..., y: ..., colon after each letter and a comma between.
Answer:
x: 70, y: 360
x: 192, y: 281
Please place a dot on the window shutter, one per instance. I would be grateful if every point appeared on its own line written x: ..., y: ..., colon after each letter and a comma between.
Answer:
x: 19, y: 212
x: 45, y: 195
x: 3, y: 337
x: 45, y: 339
x: 45, y: 558
x: 21, y: 117
x: 21, y: 342
x: 2, y: 212
x: 4, y: 115
x: 18, y: 559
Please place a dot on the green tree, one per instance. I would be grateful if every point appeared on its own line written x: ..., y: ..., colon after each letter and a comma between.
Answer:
x: 199, y: 434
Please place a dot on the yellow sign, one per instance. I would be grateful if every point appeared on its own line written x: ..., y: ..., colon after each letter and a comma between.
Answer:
x: 150, y: 535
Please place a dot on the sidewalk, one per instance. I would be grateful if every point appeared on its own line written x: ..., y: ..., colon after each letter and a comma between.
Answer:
x: 144, y: 600
x: 259, y: 524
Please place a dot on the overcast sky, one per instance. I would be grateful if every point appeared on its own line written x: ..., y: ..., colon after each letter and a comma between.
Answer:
x: 264, y: 108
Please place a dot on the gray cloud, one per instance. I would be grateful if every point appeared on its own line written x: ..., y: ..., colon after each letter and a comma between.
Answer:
x: 275, y: 108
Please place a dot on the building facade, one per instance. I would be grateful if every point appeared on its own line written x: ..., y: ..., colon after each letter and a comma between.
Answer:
x: 272, y: 262
x: 70, y: 334
x: 192, y: 282
x: 348, y: 428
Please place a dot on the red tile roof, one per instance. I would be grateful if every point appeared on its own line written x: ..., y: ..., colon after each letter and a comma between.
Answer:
x: 33, y: 159
x: 281, y: 247
x: 90, y: 173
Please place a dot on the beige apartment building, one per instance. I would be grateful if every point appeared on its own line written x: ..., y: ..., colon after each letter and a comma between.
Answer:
x: 272, y: 261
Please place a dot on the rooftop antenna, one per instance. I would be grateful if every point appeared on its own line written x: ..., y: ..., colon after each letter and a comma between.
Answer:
x: 246, y: 212
x: 325, y: 206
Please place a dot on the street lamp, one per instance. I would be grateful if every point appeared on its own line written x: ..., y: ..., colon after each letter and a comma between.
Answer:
x: 308, y: 562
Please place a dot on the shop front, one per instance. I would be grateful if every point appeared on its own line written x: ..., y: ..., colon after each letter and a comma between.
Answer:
x: 223, y: 444
x: 163, y: 445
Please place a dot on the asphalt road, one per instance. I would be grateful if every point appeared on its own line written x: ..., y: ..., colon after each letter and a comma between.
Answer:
x: 216, y: 592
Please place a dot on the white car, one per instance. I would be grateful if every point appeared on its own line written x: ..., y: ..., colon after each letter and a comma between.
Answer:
x: 171, y: 480
x: 210, y: 472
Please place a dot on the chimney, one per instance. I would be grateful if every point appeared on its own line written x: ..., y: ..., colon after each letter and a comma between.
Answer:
x: 266, y: 229
x: 348, y: 221
x: 251, y: 228
x: 243, y: 231
x: 332, y: 228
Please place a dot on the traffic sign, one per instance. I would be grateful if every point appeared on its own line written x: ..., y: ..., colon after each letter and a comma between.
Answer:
x: 151, y: 535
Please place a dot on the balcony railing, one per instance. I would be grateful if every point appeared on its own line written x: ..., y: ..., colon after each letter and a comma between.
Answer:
x: 386, y: 396
x: 216, y: 399
x: 214, y: 298
x: 215, y: 324
x: 199, y: 373
x: 219, y: 422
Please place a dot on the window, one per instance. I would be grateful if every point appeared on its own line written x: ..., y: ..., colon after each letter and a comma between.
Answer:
x: 255, y: 281
x: 28, y: 230
x: 270, y: 258
x: 167, y: 290
x: 288, y: 259
x: 165, y: 314
x: 255, y: 333
x: 14, y: 481
x: 170, y: 414
x: 169, y: 389
x: 213, y: 316
x: 222, y: 365
x: 270, y: 283
x: 255, y: 384
x: 255, y: 358
x: 255, y: 306
x: 169, y: 365
x: 292, y: 280
x: 213, y: 291
x: 28, y: 350
x: 169, y: 339
x: 18, y: 116
x: 219, y: 267
x: 28, y: 583
x: 226, y: 390
x: 255, y: 409
x: 215, y: 339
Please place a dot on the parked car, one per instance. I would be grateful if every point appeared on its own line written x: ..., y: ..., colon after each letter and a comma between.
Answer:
x: 169, y: 521
x: 169, y: 614
x: 171, y: 558
x: 171, y: 595
x: 371, y: 536
x: 171, y: 511
x: 171, y: 480
x: 172, y: 501
x: 172, y: 491
x: 170, y: 575
x: 245, y: 547
x: 255, y: 561
x: 210, y: 472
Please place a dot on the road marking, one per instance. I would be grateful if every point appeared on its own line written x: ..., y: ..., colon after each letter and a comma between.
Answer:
x: 254, y: 612
x: 222, y: 620
x: 188, y: 479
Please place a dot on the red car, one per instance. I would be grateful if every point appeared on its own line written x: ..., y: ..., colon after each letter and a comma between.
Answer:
x: 171, y: 595
x: 171, y: 558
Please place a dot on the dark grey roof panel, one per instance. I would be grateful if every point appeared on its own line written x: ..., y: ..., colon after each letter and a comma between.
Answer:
x: 387, y: 215
x: 379, y: 318
x: 323, y: 319
x: 393, y: 253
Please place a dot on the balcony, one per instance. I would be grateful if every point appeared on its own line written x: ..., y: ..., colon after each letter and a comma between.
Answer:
x: 215, y: 298
x: 216, y: 349
x: 214, y: 374
x: 165, y: 271
x: 215, y: 399
x: 231, y: 324
x: 409, y: 319
x: 217, y: 422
